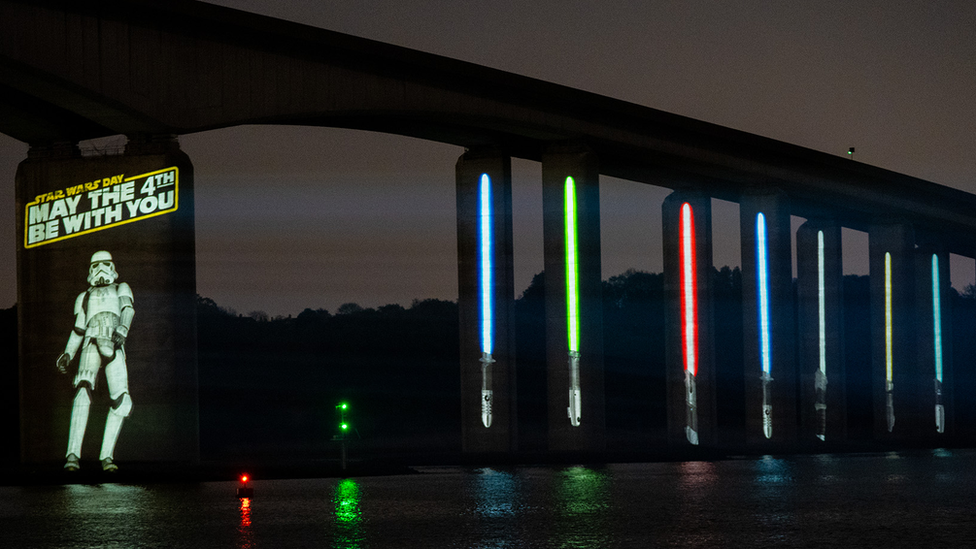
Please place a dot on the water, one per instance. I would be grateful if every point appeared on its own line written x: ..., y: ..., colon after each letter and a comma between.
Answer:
x: 912, y: 499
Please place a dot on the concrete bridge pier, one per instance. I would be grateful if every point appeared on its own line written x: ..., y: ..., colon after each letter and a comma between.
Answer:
x: 137, y: 206
x: 896, y: 375
x: 822, y: 372
x: 934, y: 322
x: 689, y: 343
x: 574, y: 305
x: 486, y: 302
x: 767, y: 323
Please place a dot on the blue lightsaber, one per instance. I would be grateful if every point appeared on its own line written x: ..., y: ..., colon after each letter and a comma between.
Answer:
x: 487, y: 303
x: 764, y: 346
x: 937, y: 337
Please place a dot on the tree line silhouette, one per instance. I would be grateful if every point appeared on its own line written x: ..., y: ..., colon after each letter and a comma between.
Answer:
x: 269, y: 386
x: 399, y: 366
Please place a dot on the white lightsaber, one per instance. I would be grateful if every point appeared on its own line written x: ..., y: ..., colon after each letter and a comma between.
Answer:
x: 889, y: 353
x: 820, y: 377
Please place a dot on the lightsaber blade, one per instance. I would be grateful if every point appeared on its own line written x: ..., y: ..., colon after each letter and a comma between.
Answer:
x: 764, y: 345
x: 820, y: 377
x: 574, y: 410
x: 487, y: 303
x: 689, y: 319
x: 889, y: 386
x: 937, y: 338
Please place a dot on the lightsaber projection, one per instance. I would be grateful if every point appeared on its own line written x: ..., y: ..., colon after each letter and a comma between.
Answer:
x: 572, y: 303
x: 762, y: 266
x: 820, y: 377
x: 689, y: 318
x: 937, y: 339
x: 889, y: 386
x: 487, y: 309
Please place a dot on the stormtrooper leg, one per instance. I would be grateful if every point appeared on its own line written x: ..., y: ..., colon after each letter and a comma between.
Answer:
x: 88, y: 364
x: 113, y: 425
x: 118, y: 388
x: 79, y: 419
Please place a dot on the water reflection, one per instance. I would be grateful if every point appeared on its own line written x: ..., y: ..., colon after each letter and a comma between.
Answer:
x: 731, y: 503
x: 496, y: 492
x: 497, y: 507
x: 584, y: 504
x: 245, y: 539
x: 772, y: 472
x: 123, y: 512
x: 697, y: 476
x: 348, y: 515
x: 775, y: 509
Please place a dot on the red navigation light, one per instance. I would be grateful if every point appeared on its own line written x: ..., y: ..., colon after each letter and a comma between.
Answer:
x: 244, y: 491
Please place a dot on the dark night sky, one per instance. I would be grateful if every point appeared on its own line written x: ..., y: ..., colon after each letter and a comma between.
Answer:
x: 293, y: 217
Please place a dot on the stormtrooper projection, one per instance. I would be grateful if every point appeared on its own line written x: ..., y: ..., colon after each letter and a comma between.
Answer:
x: 101, y: 387
x: 103, y: 316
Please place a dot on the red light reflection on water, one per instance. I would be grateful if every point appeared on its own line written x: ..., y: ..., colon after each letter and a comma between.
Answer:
x: 244, y: 530
x: 245, y: 512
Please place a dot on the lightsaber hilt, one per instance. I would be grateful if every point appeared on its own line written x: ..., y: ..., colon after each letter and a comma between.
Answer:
x: 939, y: 408
x: 767, y: 405
x: 486, y: 389
x: 691, y: 405
x: 574, y: 410
x: 820, y: 403
x: 890, y: 404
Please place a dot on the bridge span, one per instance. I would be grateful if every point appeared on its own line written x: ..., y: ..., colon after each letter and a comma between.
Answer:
x: 72, y: 71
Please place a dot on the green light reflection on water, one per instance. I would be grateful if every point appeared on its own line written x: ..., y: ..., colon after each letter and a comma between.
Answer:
x: 584, y: 503
x: 348, y: 515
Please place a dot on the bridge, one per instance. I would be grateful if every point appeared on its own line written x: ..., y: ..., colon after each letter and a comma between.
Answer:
x: 72, y: 71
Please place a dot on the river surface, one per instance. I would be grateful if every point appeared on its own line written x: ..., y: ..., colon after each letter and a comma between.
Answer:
x: 908, y: 499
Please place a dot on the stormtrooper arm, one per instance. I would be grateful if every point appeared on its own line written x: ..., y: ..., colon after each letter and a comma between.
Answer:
x: 127, y: 314
x: 75, y: 338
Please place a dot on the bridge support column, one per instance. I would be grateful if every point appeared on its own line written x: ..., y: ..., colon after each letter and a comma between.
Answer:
x: 934, y: 322
x: 486, y: 302
x: 820, y: 283
x: 574, y: 307
x: 963, y: 373
x: 138, y: 207
x: 689, y: 348
x: 896, y: 377
x: 767, y: 323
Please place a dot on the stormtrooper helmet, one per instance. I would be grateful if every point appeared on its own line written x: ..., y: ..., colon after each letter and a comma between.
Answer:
x: 102, y: 269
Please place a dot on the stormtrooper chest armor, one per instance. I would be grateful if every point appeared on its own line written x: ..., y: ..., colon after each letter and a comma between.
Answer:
x: 104, y: 299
